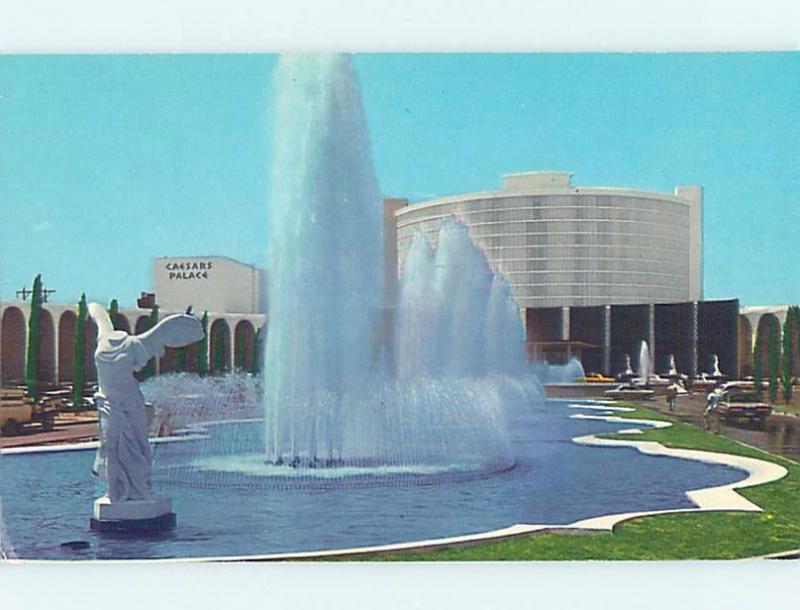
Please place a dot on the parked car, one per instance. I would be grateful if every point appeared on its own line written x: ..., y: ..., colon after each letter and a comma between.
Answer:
x: 630, y: 391
x: 16, y: 411
x: 595, y: 378
x: 740, y: 401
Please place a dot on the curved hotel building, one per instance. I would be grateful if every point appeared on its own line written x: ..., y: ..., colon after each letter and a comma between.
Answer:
x: 594, y: 270
x: 559, y: 245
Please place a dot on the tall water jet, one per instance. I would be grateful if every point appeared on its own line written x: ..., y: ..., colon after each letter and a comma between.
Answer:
x: 644, y: 367
x: 505, y: 335
x: 417, y: 314
x: 457, y: 342
x: 324, y: 253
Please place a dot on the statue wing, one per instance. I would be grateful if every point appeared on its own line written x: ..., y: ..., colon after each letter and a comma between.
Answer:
x: 100, y: 316
x: 173, y: 331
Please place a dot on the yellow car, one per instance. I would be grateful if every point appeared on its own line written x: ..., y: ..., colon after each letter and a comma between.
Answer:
x: 595, y: 378
x: 16, y: 411
x: 14, y: 414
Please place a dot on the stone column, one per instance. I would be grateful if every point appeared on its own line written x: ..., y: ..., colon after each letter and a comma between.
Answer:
x: 607, y: 340
x: 651, y: 334
x: 693, y: 341
x: 231, y: 330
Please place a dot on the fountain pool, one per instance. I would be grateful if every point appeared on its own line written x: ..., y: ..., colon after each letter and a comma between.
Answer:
x: 47, y: 496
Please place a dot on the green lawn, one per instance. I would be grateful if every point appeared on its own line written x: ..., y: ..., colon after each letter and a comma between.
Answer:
x: 724, y: 535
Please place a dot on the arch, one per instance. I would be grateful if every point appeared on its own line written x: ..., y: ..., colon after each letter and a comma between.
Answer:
x: 169, y: 361
x: 67, y: 327
x: 12, y: 346
x: 46, y: 362
x: 219, y: 346
x: 244, y: 339
x: 122, y: 323
x: 141, y: 324
x: 192, y: 354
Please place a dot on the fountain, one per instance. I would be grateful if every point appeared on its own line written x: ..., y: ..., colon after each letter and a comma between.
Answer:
x: 672, y: 369
x: 331, y: 398
x: 627, y: 375
x: 644, y: 368
x: 636, y: 386
x: 628, y: 369
x: 715, y: 372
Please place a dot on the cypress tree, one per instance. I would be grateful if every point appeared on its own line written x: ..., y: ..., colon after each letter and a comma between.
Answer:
x: 113, y: 313
x: 796, y: 342
x: 150, y: 368
x: 79, y: 355
x: 238, y: 351
x: 258, y: 345
x: 202, y: 351
x: 34, y: 340
x: 774, y: 359
x: 758, y: 376
x: 787, y: 362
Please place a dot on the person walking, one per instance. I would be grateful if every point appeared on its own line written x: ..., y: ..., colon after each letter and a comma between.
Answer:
x: 672, y: 397
x: 712, y: 413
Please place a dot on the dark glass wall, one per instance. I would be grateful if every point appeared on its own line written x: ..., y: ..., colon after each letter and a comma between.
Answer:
x: 630, y: 325
x: 718, y: 333
x: 673, y: 335
x: 672, y: 324
x: 586, y: 324
x: 544, y: 324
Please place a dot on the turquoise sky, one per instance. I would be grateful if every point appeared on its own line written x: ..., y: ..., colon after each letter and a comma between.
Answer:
x: 108, y: 161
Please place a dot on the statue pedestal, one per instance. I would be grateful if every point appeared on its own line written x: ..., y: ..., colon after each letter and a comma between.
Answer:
x: 145, y: 516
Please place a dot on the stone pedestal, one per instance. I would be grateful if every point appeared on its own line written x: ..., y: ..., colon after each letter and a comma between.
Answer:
x: 151, y: 515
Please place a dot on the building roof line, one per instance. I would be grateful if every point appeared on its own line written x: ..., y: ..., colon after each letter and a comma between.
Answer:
x: 206, y: 257
x: 581, y: 190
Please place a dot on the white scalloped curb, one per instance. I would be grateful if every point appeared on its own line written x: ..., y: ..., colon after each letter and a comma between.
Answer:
x: 720, y: 498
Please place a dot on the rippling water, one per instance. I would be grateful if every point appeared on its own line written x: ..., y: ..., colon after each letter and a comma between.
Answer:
x: 47, y: 498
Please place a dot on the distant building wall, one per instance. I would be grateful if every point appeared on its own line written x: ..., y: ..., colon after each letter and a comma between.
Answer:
x: 58, y: 340
x: 692, y: 332
x: 208, y: 283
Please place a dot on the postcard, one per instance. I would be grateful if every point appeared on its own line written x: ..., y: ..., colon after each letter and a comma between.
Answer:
x: 399, y: 307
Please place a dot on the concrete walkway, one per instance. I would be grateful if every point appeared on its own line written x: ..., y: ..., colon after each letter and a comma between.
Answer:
x: 781, y: 434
